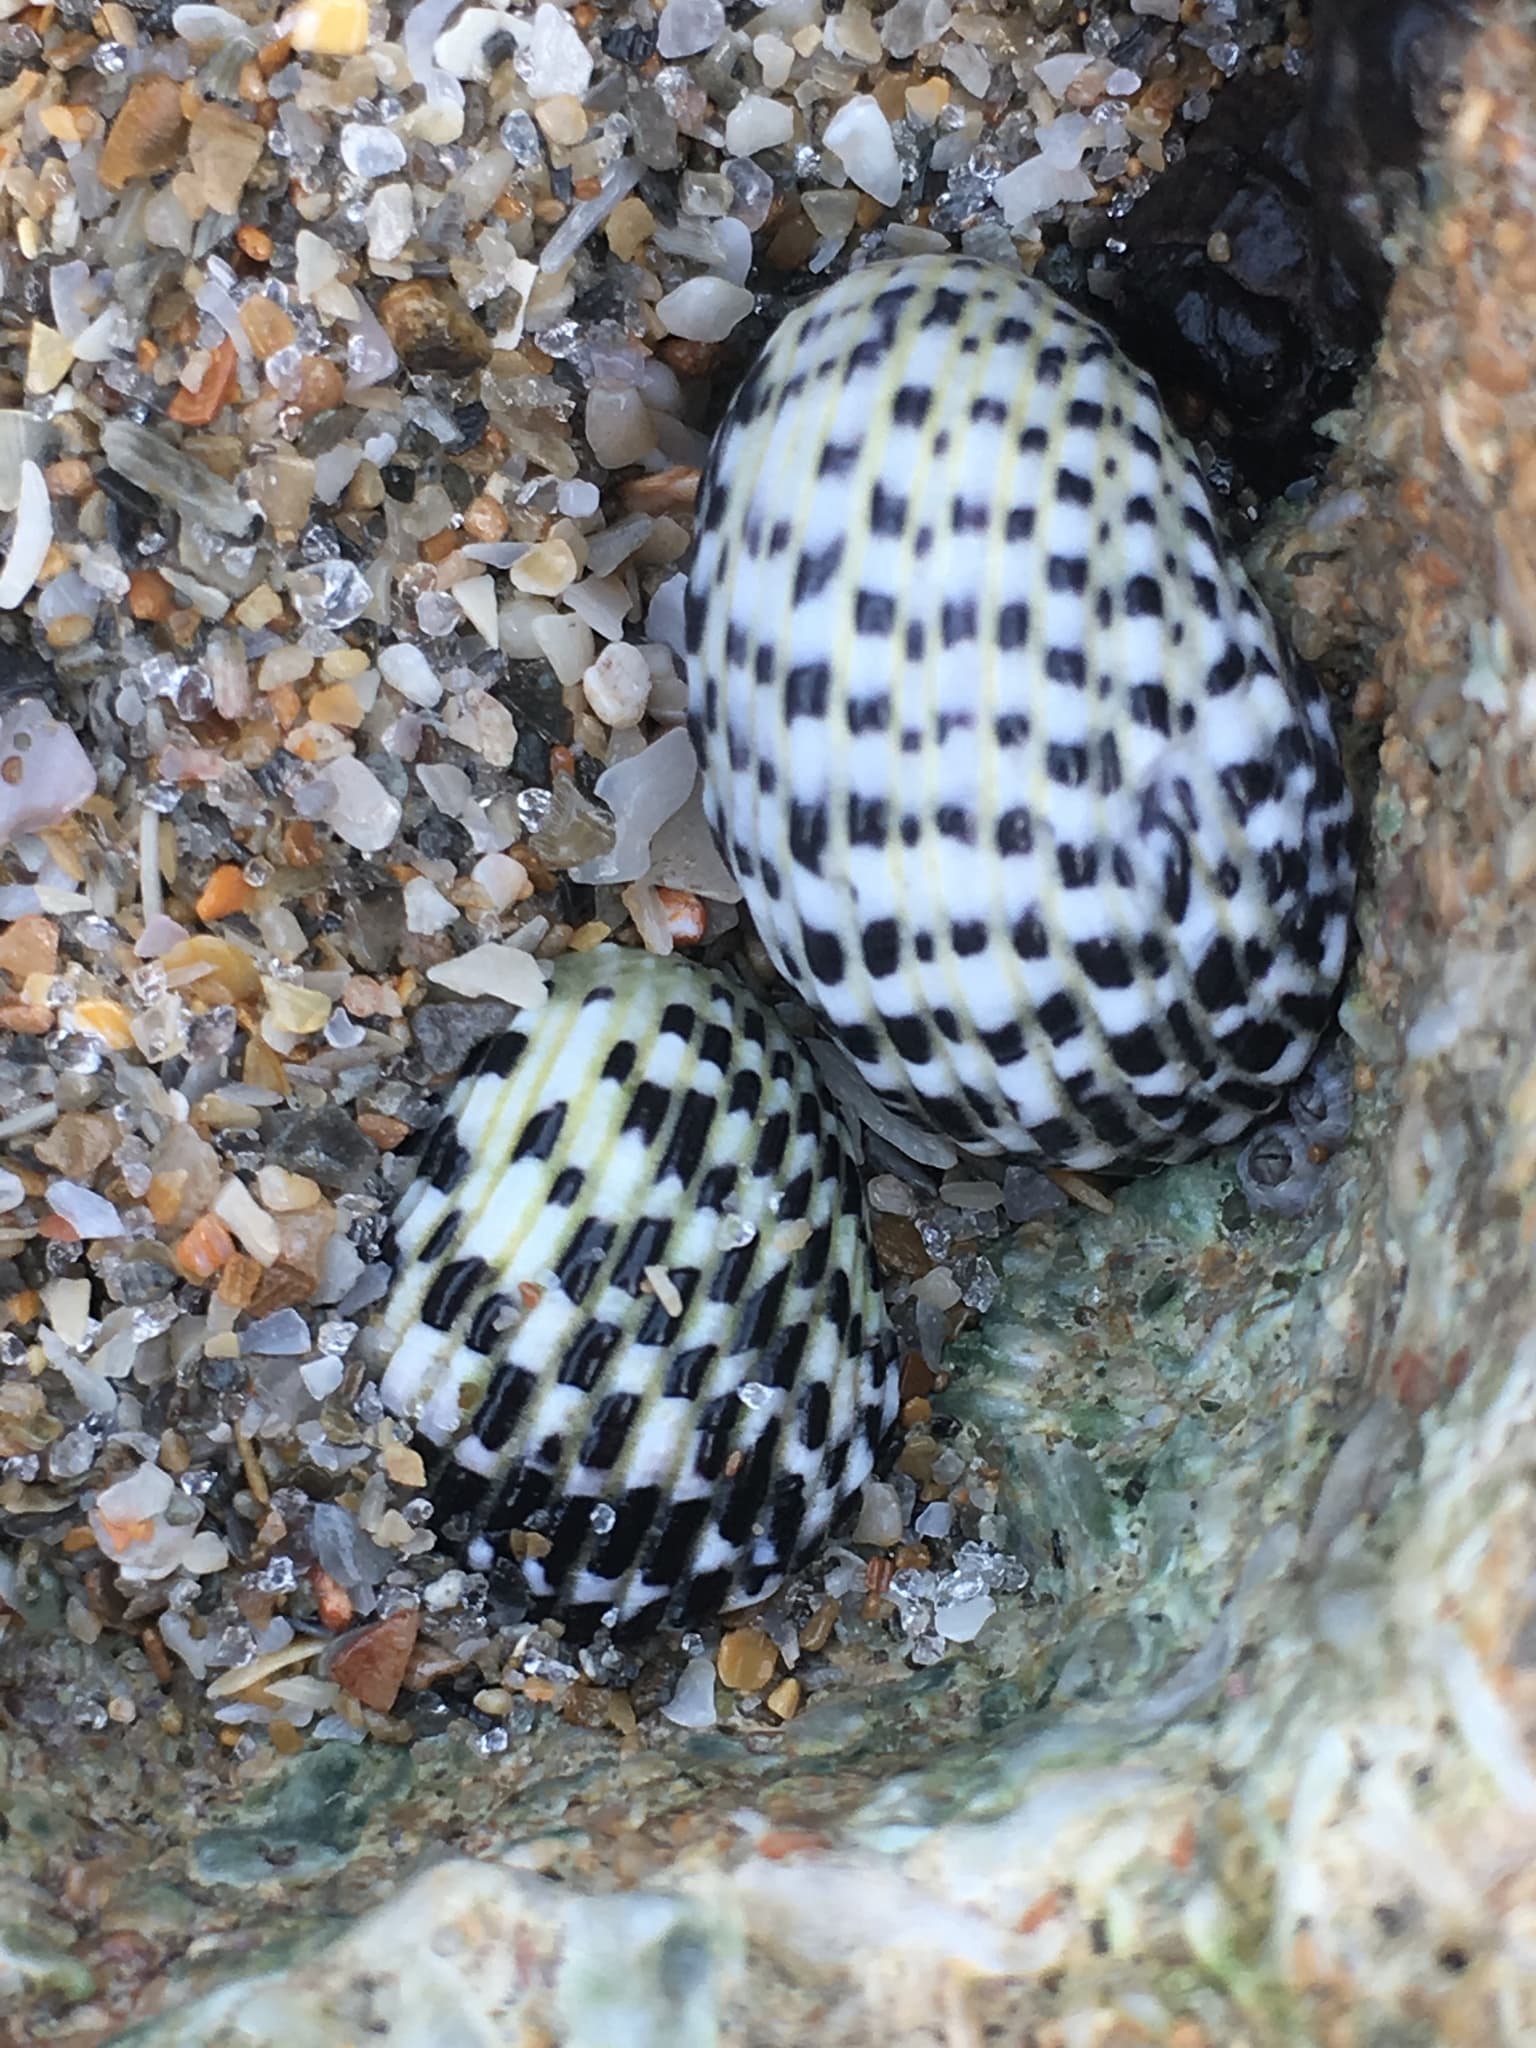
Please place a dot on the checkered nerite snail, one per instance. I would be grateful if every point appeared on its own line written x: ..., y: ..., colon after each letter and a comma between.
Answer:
x: 634, y: 1301
x: 1024, y: 796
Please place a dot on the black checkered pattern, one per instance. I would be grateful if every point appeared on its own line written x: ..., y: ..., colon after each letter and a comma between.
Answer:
x: 634, y: 1299
x: 1023, y: 793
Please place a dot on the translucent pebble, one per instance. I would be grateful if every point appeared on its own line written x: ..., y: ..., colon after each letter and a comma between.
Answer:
x: 331, y: 593
x: 406, y: 669
x: 578, y: 499
x: 322, y: 1376
x: 588, y: 215
x: 911, y: 24
x: 89, y: 1214
x: 391, y: 219
x: 642, y: 793
x: 961, y: 1621
x: 144, y: 1495
x: 564, y: 640
x: 938, y: 1288
x: 283, y: 1334
x: 354, y: 803
x: 880, y: 1517
x: 427, y: 910
x: 688, y: 26
x: 369, y: 151
x: 756, y: 122
x: 73, y: 1455
x: 692, y: 1704
x: 437, y: 614
x: 545, y: 570
x: 861, y: 135
x: 618, y: 686
x: 503, y: 879
x: 1058, y: 73
x: 754, y: 192
x: 342, y: 1548
x: 553, y: 59
x: 618, y: 427
x: 979, y: 1283
x: 1037, y: 186
x: 935, y: 1520
x: 149, y: 460
x: 505, y: 972
x: 708, y: 308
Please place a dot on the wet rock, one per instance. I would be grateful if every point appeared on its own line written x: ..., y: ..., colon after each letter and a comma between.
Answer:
x: 1217, y: 292
x: 1380, y: 72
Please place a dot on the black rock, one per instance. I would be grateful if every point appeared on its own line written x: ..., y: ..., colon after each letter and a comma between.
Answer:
x: 323, y: 1143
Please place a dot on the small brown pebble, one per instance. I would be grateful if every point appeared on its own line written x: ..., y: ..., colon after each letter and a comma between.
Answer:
x: 254, y: 242
x: 150, y: 597
x: 817, y: 1632
x: 405, y: 1466
x: 484, y: 519
x: 668, y: 490
x: 371, y: 1664
x: 267, y: 326
x: 69, y: 477
x: 685, y: 915
x: 386, y: 1131
x: 239, y: 1283
x: 30, y: 945
x: 197, y: 408
x: 333, y: 1603
x: 28, y: 1020
x: 437, y: 547
x: 689, y: 358
x: 784, y: 1700
x: 321, y: 386
x: 629, y: 227
x: 1370, y: 701
x: 156, y: 1655
x: 224, y: 148
x: 147, y: 135
x: 748, y: 1659
x: 431, y: 328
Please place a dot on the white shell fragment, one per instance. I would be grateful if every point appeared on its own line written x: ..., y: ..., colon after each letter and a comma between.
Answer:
x: 45, y: 773
x: 31, y: 538
x: 654, y: 1415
